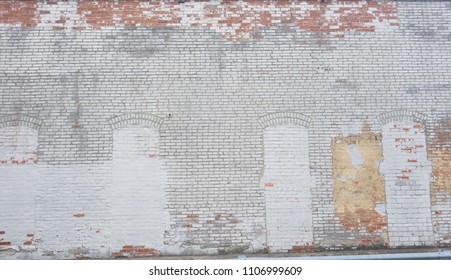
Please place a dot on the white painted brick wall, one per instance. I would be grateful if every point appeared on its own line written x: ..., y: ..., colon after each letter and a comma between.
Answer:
x: 72, y: 211
x: 406, y: 170
x: 209, y: 85
x: 137, y: 193
x: 287, y: 184
x: 18, y: 176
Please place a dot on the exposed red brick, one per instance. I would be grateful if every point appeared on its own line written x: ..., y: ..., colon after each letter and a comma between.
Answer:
x: 235, y: 20
x: 269, y: 185
x: 5, y: 243
x: 98, y: 14
x: 368, y: 219
x: 79, y: 215
x: 135, y: 251
x: 301, y: 248
x: 21, y: 13
x: 28, y: 243
x: 2, y: 232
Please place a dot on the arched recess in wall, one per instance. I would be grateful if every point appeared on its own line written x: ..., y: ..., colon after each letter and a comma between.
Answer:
x: 287, y: 182
x: 18, y: 177
x: 406, y: 170
x: 137, y: 192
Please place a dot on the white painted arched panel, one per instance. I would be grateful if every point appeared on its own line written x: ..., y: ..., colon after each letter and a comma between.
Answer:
x: 18, y: 178
x: 287, y: 182
x: 137, y: 195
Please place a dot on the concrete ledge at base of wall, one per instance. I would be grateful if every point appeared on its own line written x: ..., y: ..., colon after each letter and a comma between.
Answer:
x: 378, y: 254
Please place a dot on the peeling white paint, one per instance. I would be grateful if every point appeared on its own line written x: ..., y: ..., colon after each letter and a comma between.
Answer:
x: 356, y: 157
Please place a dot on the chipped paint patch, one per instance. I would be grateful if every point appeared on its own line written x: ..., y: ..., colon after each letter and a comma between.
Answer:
x: 358, y: 187
x: 234, y: 20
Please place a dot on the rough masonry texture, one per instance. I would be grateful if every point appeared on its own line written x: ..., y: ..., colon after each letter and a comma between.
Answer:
x: 149, y: 128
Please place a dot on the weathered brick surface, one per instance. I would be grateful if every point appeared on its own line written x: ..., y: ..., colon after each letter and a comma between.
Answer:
x: 406, y: 170
x: 207, y: 81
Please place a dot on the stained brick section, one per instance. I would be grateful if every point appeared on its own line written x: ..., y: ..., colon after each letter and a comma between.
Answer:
x: 359, y: 194
x: 440, y: 153
x: 439, y: 150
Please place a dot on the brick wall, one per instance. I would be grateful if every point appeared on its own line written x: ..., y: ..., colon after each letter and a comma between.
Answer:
x: 142, y: 128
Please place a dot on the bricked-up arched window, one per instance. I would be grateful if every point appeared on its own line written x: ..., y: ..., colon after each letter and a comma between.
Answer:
x: 287, y: 183
x: 18, y: 178
x: 137, y: 194
x: 406, y: 170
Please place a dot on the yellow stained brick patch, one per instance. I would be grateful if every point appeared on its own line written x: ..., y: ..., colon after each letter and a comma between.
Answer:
x: 358, y: 186
x: 439, y: 152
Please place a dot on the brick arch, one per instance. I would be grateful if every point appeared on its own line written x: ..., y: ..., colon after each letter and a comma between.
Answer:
x: 136, y: 118
x: 285, y: 118
x: 20, y: 120
x: 400, y: 115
